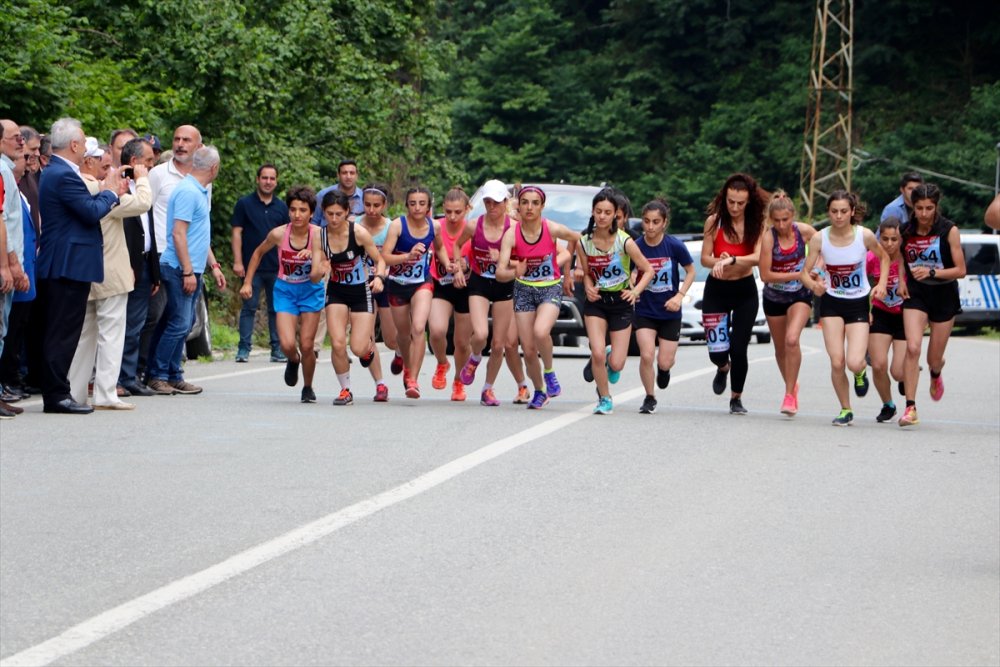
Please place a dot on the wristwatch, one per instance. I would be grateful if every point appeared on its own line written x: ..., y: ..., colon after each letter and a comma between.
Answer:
x: 932, y: 273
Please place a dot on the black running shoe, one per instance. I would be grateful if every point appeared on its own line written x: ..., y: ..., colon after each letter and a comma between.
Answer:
x: 648, y: 406
x: 366, y: 360
x: 861, y: 383
x: 888, y: 412
x: 308, y: 395
x: 291, y: 373
x: 719, y: 383
x: 588, y: 371
x: 662, y: 378
x: 736, y: 407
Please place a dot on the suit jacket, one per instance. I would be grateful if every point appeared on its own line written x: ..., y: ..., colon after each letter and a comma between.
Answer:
x: 71, y: 242
x: 118, y: 275
x: 135, y: 239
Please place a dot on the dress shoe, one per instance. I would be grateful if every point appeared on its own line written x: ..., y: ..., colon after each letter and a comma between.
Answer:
x: 9, y: 396
x: 13, y: 409
x: 67, y: 406
x: 117, y: 405
x: 135, y: 389
x: 18, y: 390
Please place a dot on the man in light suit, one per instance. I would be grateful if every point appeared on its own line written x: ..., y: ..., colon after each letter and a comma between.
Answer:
x: 70, y: 258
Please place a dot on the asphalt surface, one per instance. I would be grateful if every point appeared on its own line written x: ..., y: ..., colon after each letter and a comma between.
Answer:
x: 440, y: 533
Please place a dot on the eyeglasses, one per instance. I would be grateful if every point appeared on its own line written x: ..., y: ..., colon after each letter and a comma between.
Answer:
x: 15, y: 137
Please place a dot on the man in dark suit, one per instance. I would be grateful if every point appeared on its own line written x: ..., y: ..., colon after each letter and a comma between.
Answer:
x: 70, y: 257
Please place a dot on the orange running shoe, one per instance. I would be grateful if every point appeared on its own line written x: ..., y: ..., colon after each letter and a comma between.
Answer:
x: 440, y: 379
x: 457, y: 391
x: 523, y: 396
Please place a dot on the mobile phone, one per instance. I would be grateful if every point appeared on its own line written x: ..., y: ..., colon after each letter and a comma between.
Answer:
x: 127, y: 172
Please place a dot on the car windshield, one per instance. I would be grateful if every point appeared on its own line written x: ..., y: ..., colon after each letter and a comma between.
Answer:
x: 569, y: 205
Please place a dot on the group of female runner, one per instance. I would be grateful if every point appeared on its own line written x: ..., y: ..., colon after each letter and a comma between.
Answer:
x: 417, y: 274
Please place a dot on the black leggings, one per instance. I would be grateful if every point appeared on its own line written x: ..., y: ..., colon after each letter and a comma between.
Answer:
x: 738, y: 299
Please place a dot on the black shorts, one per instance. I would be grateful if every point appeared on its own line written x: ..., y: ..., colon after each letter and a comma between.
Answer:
x: 357, y: 298
x: 382, y: 298
x: 402, y: 294
x: 940, y: 302
x: 490, y: 289
x: 613, y: 308
x: 665, y: 329
x: 890, y: 324
x: 458, y: 298
x: 780, y: 309
x: 849, y: 310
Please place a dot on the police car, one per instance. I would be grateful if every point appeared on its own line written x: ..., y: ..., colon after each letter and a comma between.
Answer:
x: 979, y: 290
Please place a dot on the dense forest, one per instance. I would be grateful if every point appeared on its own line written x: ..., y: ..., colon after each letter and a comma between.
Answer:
x: 662, y: 97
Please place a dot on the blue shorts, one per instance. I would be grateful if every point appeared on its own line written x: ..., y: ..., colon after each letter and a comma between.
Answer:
x: 298, y: 298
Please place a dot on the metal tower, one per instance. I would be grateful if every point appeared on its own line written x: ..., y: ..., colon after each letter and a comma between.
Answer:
x: 826, y: 147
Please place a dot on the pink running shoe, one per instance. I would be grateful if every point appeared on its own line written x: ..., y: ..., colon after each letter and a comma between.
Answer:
x: 937, y: 388
x: 468, y: 372
x: 789, y: 406
x: 488, y: 398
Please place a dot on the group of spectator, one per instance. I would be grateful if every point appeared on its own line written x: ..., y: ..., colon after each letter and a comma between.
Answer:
x: 102, y: 252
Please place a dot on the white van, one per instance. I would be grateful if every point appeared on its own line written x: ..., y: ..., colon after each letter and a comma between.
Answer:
x: 979, y: 290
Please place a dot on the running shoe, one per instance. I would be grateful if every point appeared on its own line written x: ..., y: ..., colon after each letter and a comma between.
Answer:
x: 366, y: 360
x: 789, y: 406
x: 277, y: 357
x: 308, y: 395
x: 552, y: 388
x: 887, y: 413
x: 861, y: 383
x: 588, y: 370
x: 488, y: 398
x: 468, y: 372
x: 440, y: 379
x: 381, y: 393
x: 457, y: 391
x: 937, y: 388
x: 412, y: 389
x: 396, y: 367
x: 291, y: 373
x: 648, y: 406
x: 909, y: 417
x: 662, y: 378
x: 613, y: 376
x: 345, y: 398
x: 604, y: 406
x: 719, y: 383
x: 182, y: 387
x: 736, y: 407
x: 242, y: 356
x: 844, y: 418
x: 523, y: 396
x: 538, y: 401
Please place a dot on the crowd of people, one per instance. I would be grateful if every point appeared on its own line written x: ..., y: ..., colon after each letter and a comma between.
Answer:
x: 104, y: 248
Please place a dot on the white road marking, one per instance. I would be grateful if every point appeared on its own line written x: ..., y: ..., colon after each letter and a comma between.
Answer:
x: 98, y: 627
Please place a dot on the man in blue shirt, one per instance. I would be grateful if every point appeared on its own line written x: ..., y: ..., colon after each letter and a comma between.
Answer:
x: 254, y: 216
x: 900, y: 206
x: 347, y: 184
x: 188, y: 253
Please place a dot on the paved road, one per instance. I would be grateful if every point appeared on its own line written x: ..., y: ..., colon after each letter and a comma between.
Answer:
x: 241, y: 527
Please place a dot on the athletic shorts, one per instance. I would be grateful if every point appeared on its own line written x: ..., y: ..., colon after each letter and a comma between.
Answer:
x: 665, y: 329
x: 940, y: 302
x: 849, y: 310
x: 458, y: 298
x: 382, y: 298
x: 780, y: 309
x: 612, y: 308
x: 401, y: 295
x: 357, y: 298
x: 298, y: 298
x: 527, y: 298
x: 890, y: 324
x: 490, y: 289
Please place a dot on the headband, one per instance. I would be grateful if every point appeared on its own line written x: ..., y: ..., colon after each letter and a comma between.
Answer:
x: 531, y: 188
x: 376, y: 191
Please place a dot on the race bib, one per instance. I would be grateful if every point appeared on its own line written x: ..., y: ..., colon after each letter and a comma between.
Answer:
x: 348, y: 273
x: 716, y: 331
x: 295, y: 269
x: 924, y: 251
x: 607, y: 270
x: 663, y: 275
x: 540, y: 269
x: 892, y: 298
x: 411, y: 272
x: 787, y: 266
x: 445, y: 278
x: 846, y: 280
x: 485, y: 266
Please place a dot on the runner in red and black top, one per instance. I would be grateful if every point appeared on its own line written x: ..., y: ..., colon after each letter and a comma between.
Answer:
x: 932, y: 252
x: 731, y: 248
x: 349, y: 300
